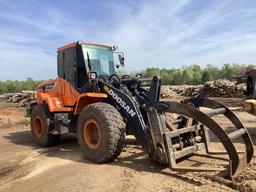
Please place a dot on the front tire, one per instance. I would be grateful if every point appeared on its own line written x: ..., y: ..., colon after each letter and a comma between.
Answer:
x: 40, y: 128
x: 101, y: 132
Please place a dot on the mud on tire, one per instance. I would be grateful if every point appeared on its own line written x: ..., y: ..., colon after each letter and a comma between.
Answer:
x: 101, y: 132
x: 40, y: 128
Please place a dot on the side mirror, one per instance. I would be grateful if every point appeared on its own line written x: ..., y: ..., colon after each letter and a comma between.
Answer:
x: 114, y: 47
x: 138, y: 75
x: 121, y: 59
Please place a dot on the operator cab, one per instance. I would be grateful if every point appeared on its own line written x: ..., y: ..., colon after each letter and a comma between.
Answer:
x: 77, y: 59
x: 250, y: 92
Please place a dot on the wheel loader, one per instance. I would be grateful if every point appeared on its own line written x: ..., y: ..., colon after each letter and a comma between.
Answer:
x: 88, y: 98
x: 250, y: 93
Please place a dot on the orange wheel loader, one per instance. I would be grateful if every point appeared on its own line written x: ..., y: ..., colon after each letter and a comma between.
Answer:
x: 88, y: 98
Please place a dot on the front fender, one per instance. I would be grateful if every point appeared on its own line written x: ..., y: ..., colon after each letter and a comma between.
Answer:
x: 86, y: 99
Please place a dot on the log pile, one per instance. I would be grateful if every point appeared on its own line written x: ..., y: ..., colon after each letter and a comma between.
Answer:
x: 223, y: 88
x: 22, y: 98
x: 218, y: 88
x: 187, y: 90
x: 167, y: 91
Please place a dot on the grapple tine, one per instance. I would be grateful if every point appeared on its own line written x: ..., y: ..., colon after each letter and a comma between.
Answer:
x: 175, y: 149
x: 241, y: 130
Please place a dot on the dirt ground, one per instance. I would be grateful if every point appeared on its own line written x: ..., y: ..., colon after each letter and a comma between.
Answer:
x: 26, y: 167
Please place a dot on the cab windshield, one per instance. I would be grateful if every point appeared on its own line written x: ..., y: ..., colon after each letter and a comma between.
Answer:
x: 99, y: 59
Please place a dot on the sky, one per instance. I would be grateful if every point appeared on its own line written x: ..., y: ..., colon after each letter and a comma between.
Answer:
x: 164, y: 33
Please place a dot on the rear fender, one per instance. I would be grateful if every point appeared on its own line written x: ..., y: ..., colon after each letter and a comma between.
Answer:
x: 55, y: 104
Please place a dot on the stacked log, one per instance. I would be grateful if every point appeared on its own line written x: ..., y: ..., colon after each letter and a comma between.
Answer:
x: 218, y: 88
x: 187, y: 90
x: 22, y: 98
x: 167, y: 92
x: 223, y: 88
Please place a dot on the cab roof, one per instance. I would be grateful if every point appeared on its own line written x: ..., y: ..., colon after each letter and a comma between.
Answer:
x: 74, y: 44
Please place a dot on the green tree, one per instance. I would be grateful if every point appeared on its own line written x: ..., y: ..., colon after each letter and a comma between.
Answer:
x: 150, y: 72
x: 238, y: 69
x: 177, y: 78
x: 2, y: 87
x: 166, y: 76
x: 10, y: 87
x: 214, y: 71
x: 186, y: 76
x: 206, y: 77
x: 195, y: 68
x: 197, y: 78
x: 226, y: 71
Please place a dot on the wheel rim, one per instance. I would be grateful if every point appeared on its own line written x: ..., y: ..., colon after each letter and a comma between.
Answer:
x: 38, y: 127
x: 92, y: 134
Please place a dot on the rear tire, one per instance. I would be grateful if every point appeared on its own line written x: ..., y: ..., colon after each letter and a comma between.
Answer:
x: 101, y: 132
x: 40, y: 128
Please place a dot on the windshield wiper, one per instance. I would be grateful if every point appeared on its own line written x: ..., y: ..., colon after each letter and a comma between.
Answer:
x: 89, y: 61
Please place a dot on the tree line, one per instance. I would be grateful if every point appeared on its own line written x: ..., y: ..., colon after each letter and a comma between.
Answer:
x: 194, y: 74
x: 9, y: 86
x: 191, y: 75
